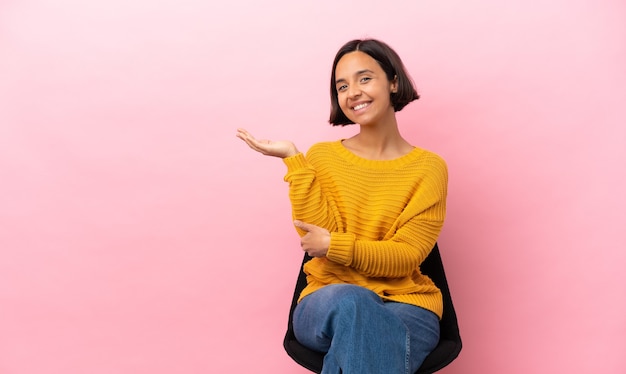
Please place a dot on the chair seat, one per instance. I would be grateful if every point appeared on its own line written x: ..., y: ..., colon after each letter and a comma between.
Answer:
x: 445, y: 352
x: 447, y: 349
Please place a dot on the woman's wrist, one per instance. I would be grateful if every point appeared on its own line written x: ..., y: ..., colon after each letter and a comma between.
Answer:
x: 292, y: 152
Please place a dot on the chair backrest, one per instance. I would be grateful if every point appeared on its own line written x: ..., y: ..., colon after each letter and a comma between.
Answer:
x: 446, y: 351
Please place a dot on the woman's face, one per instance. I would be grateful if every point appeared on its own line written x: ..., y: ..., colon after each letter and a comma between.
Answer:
x: 363, y: 90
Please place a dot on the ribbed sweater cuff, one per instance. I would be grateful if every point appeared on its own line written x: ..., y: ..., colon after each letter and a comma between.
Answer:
x: 341, y: 248
x: 295, y: 162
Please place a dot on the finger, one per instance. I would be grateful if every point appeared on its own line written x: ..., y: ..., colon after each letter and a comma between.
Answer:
x: 246, y: 137
x: 303, y: 226
x: 251, y: 142
x: 243, y: 132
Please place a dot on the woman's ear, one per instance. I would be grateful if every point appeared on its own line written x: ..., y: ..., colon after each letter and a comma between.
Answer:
x: 394, y: 84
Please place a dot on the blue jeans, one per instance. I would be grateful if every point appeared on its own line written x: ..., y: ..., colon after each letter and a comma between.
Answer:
x: 362, y: 334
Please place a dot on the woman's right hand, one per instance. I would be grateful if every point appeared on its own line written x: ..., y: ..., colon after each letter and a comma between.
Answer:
x: 282, y: 148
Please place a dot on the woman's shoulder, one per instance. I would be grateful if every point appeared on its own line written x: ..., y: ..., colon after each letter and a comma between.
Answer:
x: 323, y: 147
x: 431, y: 163
x: 425, y: 154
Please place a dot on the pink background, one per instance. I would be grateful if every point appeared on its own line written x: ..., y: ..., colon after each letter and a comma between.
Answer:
x: 138, y: 235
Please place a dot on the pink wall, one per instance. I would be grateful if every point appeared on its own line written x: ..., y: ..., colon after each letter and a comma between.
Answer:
x: 138, y: 235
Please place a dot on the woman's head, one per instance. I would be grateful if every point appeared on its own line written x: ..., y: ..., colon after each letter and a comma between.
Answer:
x: 390, y: 63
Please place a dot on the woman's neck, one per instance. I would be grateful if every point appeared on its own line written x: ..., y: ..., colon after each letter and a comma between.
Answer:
x: 378, y: 143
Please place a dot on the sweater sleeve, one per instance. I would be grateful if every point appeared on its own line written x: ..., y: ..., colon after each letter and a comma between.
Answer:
x: 410, y: 240
x: 308, y: 202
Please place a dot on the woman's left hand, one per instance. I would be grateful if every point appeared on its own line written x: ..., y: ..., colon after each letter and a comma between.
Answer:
x: 316, y: 240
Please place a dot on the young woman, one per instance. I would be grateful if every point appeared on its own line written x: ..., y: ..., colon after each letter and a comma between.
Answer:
x: 368, y: 209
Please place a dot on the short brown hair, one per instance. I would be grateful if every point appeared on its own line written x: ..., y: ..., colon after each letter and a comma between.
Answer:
x: 391, y: 64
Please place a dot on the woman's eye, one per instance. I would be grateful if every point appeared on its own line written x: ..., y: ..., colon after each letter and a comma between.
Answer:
x: 342, y: 87
x: 365, y: 79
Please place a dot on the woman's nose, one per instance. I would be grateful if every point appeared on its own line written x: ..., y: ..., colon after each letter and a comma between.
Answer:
x: 354, y: 91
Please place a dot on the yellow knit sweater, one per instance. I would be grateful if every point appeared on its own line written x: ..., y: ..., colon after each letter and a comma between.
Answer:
x: 384, y: 218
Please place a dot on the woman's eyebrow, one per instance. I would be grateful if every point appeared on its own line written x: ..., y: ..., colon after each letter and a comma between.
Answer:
x: 360, y: 72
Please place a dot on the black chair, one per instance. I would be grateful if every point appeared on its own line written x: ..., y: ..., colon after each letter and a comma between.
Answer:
x: 446, y: 351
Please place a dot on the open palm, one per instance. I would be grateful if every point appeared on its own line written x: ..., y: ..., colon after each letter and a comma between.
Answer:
x: 280, y: 148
